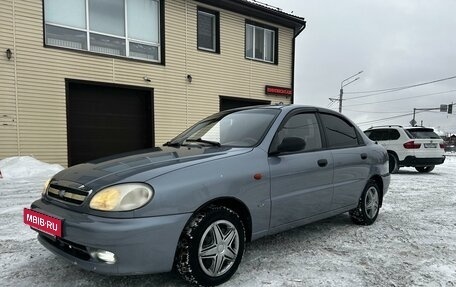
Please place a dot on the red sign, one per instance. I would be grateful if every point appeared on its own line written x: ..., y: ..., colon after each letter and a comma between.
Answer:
x: 42, y: 222
x: 279, y: 91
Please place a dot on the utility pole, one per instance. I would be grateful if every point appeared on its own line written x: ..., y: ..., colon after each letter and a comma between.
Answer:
x: 341, y: 94
x: 341, y: 91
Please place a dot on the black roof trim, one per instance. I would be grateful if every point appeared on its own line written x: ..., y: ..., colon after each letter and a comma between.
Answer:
x: 261, y: 12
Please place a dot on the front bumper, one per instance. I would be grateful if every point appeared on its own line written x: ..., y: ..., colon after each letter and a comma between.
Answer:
x: 421, y: 161
x: 141, y: 245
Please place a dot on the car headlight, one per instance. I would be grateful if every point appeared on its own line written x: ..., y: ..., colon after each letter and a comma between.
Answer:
x: 122, y: 197
x: 45, y: 187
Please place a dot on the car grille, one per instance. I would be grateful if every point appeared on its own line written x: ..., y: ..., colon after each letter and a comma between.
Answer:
x: 66, y: 194
x: 76, y: 250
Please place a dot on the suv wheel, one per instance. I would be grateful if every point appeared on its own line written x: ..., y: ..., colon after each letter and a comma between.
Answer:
x: 368, y: 206
x: 425, y: 169
x: 211, y: 247
x: 393, y: 163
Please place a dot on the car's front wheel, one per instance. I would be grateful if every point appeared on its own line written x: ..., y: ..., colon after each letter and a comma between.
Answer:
x: 425, y: 169
x: 211, y: 247
x: 368, y: 206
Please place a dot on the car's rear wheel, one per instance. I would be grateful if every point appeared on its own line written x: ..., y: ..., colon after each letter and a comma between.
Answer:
x: 211, y: 247
x: 368, y: 206
x: 393, y: 163
x: 425, y: 169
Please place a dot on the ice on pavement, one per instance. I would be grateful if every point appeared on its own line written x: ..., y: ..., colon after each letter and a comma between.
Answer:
x: 412, y: 243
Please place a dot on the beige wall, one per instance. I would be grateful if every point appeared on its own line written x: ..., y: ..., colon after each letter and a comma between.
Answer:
x: 32, y: 83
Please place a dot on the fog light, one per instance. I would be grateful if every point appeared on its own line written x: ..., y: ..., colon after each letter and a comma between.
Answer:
x: 105, y: 256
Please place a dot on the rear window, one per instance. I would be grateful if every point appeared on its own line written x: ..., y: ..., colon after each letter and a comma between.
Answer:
x: 423, y: 134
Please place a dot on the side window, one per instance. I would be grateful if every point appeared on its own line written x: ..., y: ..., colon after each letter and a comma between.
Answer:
x: 339, y: 133
x: 394, y: 135
x: 303, y: 126
x: 208, y: 30
x: 378, y: 134
x: 261, y: 42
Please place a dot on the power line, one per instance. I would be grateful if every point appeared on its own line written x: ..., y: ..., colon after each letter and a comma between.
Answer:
x: 400, y: 99
x: 446, y: 114
x: 375, y: 94
x: 402, y: 88
x: 377, y: 112
x: 388, y: 118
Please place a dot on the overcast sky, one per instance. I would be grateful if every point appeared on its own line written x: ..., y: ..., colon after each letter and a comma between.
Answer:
x: 395, y: 42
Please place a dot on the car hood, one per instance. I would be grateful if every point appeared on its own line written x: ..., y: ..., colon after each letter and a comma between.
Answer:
x: 139, y: 166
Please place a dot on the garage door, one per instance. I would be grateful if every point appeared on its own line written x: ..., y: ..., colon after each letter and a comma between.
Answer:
x: 227, y: 103
x: 104, y: 120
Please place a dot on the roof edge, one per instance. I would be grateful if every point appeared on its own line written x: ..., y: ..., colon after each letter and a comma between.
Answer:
x: 261, y: 12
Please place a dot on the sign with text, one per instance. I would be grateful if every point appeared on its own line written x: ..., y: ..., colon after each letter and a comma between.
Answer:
x: 43, y: 223
x: 278, y: 91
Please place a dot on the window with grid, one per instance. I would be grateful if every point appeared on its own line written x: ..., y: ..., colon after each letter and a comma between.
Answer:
x: 260, y: 43
x: 126, y: 28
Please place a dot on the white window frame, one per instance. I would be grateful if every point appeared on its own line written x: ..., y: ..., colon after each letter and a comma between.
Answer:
x: 255, y: 27
x: 125, y: 38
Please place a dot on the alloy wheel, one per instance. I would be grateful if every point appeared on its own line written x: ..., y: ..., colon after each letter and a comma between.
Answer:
x: 371, y: 202
x: 218, y: 248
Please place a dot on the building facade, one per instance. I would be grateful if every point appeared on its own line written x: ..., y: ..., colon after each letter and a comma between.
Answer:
x: 81, y: 79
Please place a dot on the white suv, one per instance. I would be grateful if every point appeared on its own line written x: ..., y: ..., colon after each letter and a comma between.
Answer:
x: 419, y: 147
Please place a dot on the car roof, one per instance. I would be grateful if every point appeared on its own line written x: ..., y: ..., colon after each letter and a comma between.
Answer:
x: 385, y: 126
x: 285, y: 107
x: 418, y: 128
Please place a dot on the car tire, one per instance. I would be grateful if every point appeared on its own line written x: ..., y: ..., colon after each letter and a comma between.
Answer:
x: 368, y: 206
x: 425, y: 169
x: 393, y: 163
x: 211, y: 247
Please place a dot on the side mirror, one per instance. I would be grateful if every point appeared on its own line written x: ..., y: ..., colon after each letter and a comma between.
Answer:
x: 291, y: 144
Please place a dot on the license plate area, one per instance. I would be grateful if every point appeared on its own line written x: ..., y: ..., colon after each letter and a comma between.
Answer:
x: 430, y: 145
x: 48, y: 224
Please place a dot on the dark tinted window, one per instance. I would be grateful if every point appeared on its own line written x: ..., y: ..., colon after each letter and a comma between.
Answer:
x: 304, y: 126
x: 423, y: 133
x: 377, y: 135
x: 339, y: 133
x: 394, y: 134
x: 208, y: 30
x: 382, y: 134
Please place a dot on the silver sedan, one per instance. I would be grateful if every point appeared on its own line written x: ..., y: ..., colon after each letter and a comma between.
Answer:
x: 192, y: 204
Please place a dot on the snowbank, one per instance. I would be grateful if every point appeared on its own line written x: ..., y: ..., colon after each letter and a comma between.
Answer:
x: 20, y: 167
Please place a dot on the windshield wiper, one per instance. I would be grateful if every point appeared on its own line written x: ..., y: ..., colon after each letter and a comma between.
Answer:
x: 200, y: 140
x: 174, y: 144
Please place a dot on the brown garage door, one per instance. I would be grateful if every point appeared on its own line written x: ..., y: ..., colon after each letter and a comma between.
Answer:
x: 103, y: 120
x: 227, y: 103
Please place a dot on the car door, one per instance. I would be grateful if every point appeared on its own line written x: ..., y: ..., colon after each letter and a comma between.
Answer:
x: 351, y: 159
x: 301, y: 180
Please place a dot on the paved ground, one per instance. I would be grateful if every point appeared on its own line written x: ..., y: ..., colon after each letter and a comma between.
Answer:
x: 413, y: 243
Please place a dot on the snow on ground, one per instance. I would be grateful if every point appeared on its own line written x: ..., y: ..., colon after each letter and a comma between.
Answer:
x: 413, y: 243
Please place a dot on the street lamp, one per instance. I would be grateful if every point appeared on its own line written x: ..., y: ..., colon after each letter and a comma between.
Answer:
x: 343, y: 84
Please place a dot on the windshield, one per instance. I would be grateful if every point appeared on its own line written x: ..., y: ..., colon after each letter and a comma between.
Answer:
x: 423, y: 134
x: 243, y: 128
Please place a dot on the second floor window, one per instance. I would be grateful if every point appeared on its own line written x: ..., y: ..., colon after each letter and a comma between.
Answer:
x: 260, y: 43
x: 208, y: 30
x: 128, y: 28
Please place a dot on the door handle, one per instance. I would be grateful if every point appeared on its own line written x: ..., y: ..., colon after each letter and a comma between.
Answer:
x: 363, y: 156
x: 322, y: 162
